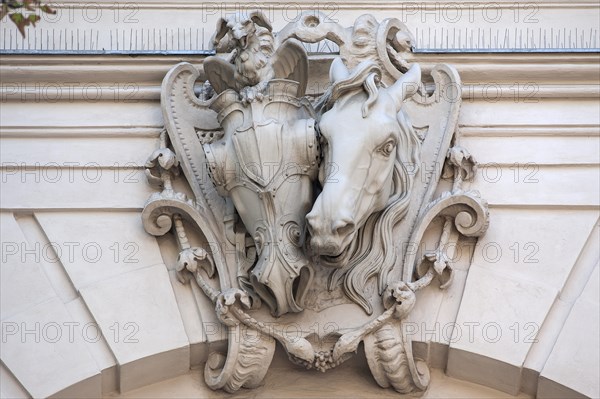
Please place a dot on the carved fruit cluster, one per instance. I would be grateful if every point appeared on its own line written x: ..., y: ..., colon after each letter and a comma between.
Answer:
x: 322, y: 361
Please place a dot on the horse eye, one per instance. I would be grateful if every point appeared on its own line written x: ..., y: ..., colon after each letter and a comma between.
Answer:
x: 387, y: 148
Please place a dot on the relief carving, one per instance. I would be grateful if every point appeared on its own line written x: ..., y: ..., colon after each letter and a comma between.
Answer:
x: 288, y: 241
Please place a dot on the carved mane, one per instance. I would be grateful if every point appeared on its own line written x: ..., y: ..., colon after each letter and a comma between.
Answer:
x: 372, y: 252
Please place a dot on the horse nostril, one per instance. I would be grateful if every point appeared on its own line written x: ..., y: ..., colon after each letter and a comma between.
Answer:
x: 343, y: 227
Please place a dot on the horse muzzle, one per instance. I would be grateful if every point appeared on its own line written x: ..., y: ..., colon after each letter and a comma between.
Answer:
x: 330, y: 237
x: 281, y: 279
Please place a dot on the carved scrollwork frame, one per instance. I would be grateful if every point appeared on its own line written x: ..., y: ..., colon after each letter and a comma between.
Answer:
x: 194, y: 129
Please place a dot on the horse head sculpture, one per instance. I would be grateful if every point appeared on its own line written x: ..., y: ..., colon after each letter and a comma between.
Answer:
x: 253, y: 154
x: 266, y: 163
x: 366, y: 143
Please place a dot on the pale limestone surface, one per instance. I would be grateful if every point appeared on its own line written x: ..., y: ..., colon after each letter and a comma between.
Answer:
x: 20, y: 270
x: 559, y: 131
x: 286, y: 381
x: 573, y: 353
x: 493, y: 320
x: 85, y: 188
x: 10, y: 386
x: 138, y: 316
x: 100, y: 246
x: 493, y: 284
x: 44, y: 330
x: 430, y: 22
x: 98, y: 348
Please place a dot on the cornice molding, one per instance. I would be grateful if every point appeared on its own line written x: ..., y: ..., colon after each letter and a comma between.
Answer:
x: 132, y: 92
x: 138, y: 78
x: 153, y: 132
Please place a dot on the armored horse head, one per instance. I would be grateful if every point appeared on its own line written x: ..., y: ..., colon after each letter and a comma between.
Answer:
x: 266, y: 163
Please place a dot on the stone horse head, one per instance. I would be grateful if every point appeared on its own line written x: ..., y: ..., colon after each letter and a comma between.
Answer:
x: 365, y: 140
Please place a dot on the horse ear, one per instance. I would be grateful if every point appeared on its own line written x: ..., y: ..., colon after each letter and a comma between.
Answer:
x: 406, y: 86
x: 220, y: 32
x: 338, y: 71
x: 260, y: 19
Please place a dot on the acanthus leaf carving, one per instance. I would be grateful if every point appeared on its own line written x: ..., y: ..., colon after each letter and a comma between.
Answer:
x: 280, y: 226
